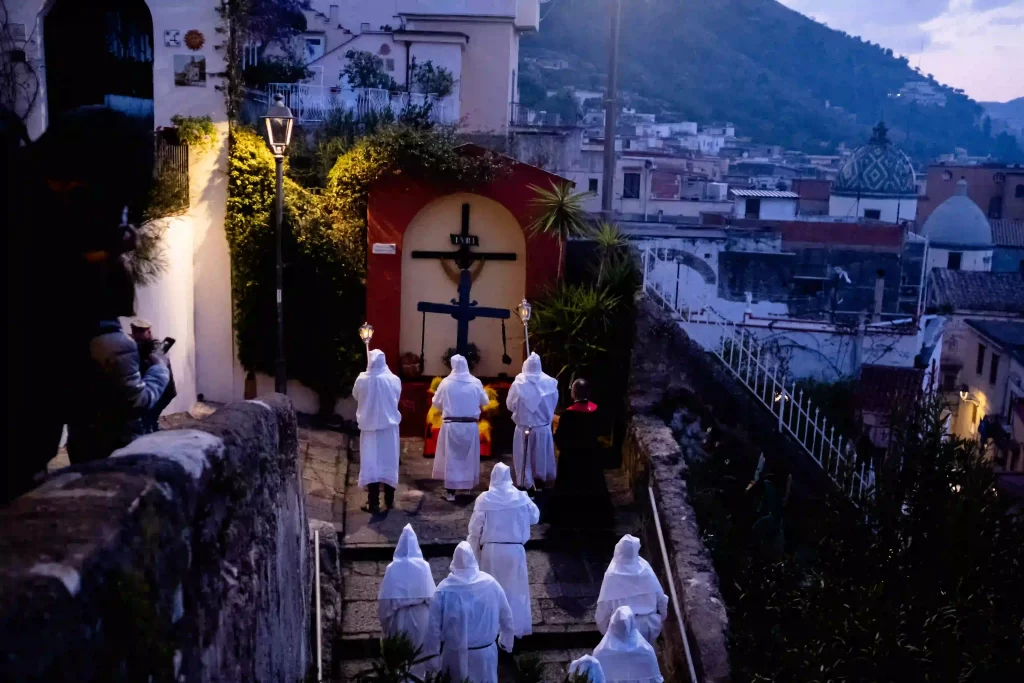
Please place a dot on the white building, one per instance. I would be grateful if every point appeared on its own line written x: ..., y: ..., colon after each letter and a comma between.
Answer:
x: 877, y: 182
x: 772, y: 205
x: 959, y: 234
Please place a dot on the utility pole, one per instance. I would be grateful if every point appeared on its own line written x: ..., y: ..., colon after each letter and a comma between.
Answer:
x: 610, y: 109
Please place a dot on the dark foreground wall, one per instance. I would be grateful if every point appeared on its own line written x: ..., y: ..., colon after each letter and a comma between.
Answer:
x: 181, y: 558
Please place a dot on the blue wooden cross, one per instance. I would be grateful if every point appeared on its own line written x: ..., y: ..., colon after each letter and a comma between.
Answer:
x: 464, y: 309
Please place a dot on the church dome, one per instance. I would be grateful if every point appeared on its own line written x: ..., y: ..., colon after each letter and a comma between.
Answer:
x: 958, y: 221
x: 877, y: 169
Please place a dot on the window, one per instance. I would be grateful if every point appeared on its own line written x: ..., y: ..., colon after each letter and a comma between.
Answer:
x: 389, y: 64
x: 954, y: 260
x: 753, y: 208
x: 979, y: 367
x: 999, y: 178
x: 949, y: 380
x: 993, y: 371
x: 874, y: 214
x: 946, y: 175
x: 1018, y: 191
x: 995, y: 207
x: 592, y: 186
x: 631, y: 185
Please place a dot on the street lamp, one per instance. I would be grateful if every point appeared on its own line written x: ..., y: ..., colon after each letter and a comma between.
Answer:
x: 524, y: 310
x: 279, y: 122
x: 366, y: 334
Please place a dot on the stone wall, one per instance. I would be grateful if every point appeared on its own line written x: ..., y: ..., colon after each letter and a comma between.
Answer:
x: 180, y: 558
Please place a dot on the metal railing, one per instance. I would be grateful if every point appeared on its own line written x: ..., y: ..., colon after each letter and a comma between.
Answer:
x: 315, y: 103
x: 762, y: 375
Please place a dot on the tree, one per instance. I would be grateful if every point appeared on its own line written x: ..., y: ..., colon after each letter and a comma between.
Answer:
x: 610, y: 242
x: 560, y: 214
x: 366, y: 70
x: 432, y: 80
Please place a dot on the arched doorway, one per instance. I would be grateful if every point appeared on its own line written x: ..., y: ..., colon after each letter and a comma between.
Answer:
x: 99, y: 53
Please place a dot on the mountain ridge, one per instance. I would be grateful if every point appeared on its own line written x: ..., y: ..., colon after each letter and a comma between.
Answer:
x: 778, y: 75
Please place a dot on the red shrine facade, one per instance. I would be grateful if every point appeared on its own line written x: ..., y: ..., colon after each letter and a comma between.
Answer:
x: 395, y: 203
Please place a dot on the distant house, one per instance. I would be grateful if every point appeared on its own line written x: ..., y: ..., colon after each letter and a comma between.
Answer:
x: 764, y: 204
x: 881, y: 391
x: 997, y: 189
x: 813, y: 196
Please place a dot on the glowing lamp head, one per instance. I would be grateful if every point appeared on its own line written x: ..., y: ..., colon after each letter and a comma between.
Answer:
x: 524, y: 310
x: 963, y: 392
x: 366, y: 333
x: 279, y: 122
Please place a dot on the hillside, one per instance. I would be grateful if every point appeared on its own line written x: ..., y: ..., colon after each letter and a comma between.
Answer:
x: 779, y: 76
x: 1010, y: 113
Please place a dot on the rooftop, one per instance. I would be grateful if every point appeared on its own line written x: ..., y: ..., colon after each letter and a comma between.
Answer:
x: 1009, y: 335
x: 958, y: 221
x: 766, y: 194
x: 974, y: 290
x: 1007, y: 232
x: 880, y: 388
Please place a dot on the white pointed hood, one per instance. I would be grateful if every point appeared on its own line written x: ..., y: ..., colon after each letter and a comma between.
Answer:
x: 624, y: 654
x: 460, y: 370
x: 377, y: 391
x: 589, y: 666
x: 628, y: 574
x: 533, y: 385
x: 502, y: 494
x: 408, y: 575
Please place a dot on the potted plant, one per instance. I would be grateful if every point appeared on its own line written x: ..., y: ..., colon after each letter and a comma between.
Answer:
x: 472, y: 356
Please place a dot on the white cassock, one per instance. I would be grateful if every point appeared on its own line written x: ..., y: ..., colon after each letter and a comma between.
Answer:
x: 589, y: 667
x: 629, y: 580
x: 624, y: 655
x: 377, y: 391
x: 468, y: 613
x: 500, y: 525
x: 460, y: 396
x: 532, y: 400
x: 403, y: 603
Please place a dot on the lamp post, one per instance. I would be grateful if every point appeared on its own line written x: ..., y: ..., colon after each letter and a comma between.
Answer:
x: 279, y: 122
x: 366, y: 334
x: 524, y: 310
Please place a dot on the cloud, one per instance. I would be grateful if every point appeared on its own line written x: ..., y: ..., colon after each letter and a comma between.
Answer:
x: 985, y: 5
x: 1007, y: 21
x: 843, y: 13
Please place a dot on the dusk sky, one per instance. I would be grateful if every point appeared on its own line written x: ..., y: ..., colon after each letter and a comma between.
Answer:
x: 977, y: 45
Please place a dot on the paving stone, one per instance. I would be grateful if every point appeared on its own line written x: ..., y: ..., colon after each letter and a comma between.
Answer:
x: 546, y: 590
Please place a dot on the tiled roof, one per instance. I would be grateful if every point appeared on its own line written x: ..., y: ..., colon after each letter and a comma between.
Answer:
x: 1007, y: 232
x: 882, y: 387
x: 974, y: 290
x: 1009, y: 335
x: 767, y: 194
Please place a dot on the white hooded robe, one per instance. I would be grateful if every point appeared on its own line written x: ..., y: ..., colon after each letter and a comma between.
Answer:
x: 629, y: 580
x: 469, y: 612
x: 624, y: 655
x: 499, y: 527
x: 532, y: 400
x: 403, y: 603
x: 589, y: 667
x: 377, y: 391
x: 457, y: 459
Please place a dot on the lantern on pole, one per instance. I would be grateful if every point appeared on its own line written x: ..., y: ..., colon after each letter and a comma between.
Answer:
x: 524, y: 310
x: 366, y: 334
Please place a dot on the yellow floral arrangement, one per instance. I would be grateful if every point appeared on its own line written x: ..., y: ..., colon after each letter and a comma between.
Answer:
x: 487, y: 412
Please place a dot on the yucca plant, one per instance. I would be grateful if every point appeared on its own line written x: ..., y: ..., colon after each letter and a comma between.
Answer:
x: 610, y: 241
x: 398, y: 656
x: 560, y: 214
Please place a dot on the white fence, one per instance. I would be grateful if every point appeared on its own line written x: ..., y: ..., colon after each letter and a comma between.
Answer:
x: 314, y: 103
x: 760, y: 373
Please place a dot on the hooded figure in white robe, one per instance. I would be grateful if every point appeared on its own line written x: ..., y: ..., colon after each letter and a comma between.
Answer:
x: 589, y: 667
x: 629, y: 580
x: 468, y: 614
x: 532, y: 399
x: 500, y: 525
x: 459, y: 397
x: 377, y: 391
x: 624, y: 655
x: 403, y: 603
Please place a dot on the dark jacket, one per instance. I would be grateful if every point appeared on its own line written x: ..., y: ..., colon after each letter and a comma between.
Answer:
x: 115, y: 395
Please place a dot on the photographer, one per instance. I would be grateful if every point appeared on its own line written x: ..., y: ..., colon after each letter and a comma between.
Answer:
x: 142, y: 333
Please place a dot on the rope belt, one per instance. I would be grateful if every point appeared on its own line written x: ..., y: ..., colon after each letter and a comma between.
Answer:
x: 481, y: 647
x: 546, y: 424
x: 502, y: 543
x: 462, y: 419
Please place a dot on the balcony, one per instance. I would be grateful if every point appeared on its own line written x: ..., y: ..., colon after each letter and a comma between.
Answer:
x: 313, y: 103
x: 525, y: 12
x: 523, y: 117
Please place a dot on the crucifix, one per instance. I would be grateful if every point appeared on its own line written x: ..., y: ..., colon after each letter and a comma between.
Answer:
x: 464, y: 309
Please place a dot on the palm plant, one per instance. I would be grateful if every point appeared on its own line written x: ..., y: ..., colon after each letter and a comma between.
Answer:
x: 560, y: 214
x: 610, y: 241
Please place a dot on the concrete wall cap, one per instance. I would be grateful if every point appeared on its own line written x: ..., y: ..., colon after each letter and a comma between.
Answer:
x: 190, y: 448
